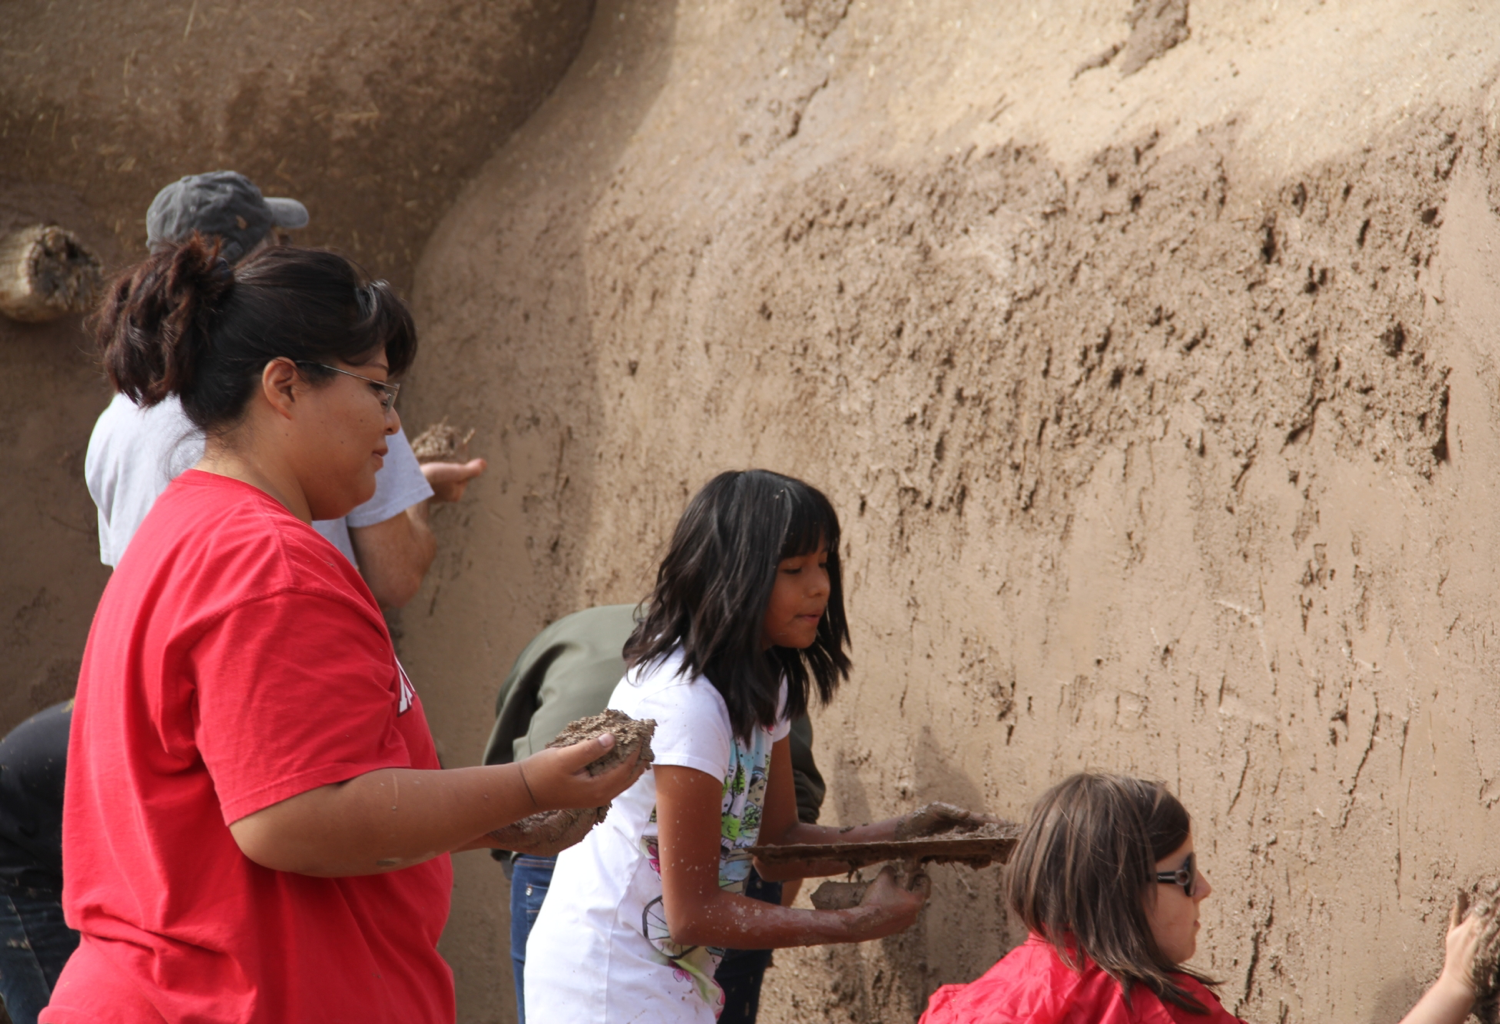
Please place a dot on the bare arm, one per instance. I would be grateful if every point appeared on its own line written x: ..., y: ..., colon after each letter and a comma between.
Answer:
x: 1451, y: 997
x: 781, y: 827
x: 395, y: 555
x: 699, y: 913
x: 393, y: 818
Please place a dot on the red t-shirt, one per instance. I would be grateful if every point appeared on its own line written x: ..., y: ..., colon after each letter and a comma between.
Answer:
x: 1031, y: 985
x: 237, y: 659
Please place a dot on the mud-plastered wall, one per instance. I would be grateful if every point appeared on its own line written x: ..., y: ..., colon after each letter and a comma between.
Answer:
x: 371, y: 115
x: 1148, y: 355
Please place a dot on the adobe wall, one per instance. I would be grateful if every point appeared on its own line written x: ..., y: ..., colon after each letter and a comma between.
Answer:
x: 1159, y: 408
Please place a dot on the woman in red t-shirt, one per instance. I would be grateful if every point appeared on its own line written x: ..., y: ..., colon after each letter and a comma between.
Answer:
x: 256, y: 827
x: 1106, y: 880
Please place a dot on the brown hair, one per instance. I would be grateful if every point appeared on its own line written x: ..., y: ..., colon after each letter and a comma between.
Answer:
x: 1084, y: 868
x: 187, y: 323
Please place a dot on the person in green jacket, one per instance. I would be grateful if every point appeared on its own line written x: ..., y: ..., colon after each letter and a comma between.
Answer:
x: 568, y: 672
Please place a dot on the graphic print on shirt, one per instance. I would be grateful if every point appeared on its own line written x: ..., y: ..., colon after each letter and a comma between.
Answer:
x: 408, y: 691
x: 741, y: 806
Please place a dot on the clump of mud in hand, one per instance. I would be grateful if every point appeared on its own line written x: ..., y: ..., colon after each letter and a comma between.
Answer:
x: 1486, y: 970
x: 548, y: 833
x: 442, y: 443
x: 630, y: 735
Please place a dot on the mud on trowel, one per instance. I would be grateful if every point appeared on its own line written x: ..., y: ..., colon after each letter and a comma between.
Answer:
x: 974, y: 843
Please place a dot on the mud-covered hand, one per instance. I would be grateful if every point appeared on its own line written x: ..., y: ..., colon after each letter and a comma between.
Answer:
x: 449, y: 480
x: 937, y: 818
x: 888, y: 907
x: 556, y: 778
x: 1462, y: 946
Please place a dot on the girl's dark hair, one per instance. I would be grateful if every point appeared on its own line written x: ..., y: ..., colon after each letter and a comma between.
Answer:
x: 1084, y: 868
x: 713, y: 587
x: 187, y: 323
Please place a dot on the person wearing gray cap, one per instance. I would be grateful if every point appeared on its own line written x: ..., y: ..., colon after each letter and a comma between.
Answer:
x: 134, y: 453
x: 224, y: 205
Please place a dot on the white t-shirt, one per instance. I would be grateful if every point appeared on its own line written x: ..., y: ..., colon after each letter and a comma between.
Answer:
x: 600, y: 952
x: 134, y: 453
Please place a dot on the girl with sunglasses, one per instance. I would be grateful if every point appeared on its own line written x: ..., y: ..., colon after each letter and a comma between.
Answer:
x: 1105, y: 878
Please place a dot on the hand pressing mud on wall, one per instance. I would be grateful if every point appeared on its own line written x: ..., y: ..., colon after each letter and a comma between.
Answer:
x: 548, y: 833
x: 1486, y: 971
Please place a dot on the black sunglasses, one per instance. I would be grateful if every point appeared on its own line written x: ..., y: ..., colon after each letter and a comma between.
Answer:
x: 1185, y: 876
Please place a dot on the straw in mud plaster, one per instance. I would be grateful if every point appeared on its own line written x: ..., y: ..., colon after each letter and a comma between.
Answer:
x: 441, y: 443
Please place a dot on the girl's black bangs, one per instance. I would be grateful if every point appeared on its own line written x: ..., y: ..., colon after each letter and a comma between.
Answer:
x: 811, y: 522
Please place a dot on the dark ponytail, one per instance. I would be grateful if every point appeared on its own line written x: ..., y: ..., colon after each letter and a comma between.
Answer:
x: 155, y: 321
x: 186, y: 323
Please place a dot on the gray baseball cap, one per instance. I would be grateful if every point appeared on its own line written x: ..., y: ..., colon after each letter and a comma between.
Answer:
x: 222, y: 204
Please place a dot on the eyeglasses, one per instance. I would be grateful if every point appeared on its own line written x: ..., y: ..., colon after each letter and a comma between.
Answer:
x: 388, y: 392
x: 1185, y: 876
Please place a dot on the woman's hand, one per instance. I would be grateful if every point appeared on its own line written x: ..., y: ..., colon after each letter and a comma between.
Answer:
x: 556, y: 777
x: 1451, y: 997
x: 1461, y: 945
x: 888, y: 907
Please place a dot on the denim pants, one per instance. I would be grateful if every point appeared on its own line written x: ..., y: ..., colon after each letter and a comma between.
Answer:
x: 35, y: 943
x: 740, y: 973
x: 529, y: 879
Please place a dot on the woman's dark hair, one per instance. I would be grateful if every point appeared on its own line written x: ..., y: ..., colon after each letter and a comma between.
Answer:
x: 1084, y: 868
x: 713, y: 587
x: 187, y: 323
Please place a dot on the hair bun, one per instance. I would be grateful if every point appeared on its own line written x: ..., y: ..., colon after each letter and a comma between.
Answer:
x: 155, y: 325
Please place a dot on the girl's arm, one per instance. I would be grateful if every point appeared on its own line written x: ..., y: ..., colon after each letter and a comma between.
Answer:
x: 393, y: 818
x: 781, y: 827
x: 1451, y: 997
x: 699, y: 913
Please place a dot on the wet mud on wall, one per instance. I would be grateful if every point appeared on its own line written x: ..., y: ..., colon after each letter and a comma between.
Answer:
x: 1159, y: 409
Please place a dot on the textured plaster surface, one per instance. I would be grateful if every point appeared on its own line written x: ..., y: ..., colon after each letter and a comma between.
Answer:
x: 1159, y: 410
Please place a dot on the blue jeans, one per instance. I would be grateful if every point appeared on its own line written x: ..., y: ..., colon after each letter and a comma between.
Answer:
x: 739, y: 975
x: 35, y: 943
x: 529, y: 879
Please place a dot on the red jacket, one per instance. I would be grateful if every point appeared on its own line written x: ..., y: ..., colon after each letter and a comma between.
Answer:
x: 1031, y: 985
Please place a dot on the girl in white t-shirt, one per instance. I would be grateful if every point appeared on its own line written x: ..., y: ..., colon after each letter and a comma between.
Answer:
x: 746, y: 619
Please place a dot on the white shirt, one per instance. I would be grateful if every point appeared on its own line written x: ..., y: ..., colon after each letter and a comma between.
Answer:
x: 134, y: 453
x: 599, y: 952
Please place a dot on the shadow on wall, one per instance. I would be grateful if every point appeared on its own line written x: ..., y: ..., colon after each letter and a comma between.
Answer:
x: 51, y: 391
x: 502, y: 300
x: 944, y: 947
